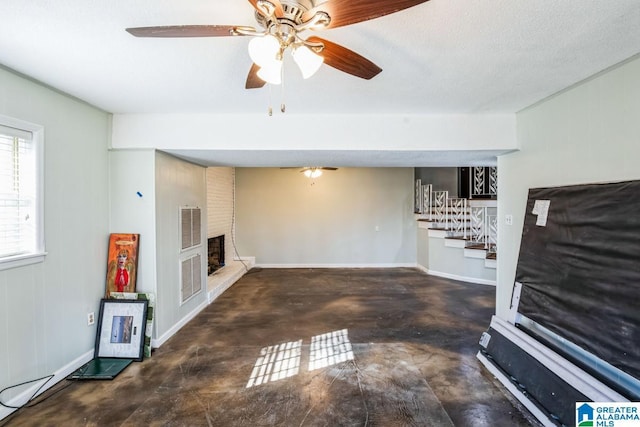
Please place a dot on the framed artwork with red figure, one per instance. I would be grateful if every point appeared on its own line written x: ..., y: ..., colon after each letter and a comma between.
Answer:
x: 122, y: 264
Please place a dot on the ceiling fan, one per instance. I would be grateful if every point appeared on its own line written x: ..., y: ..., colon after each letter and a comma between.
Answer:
x: 281, y: 23
x: 313, y: 171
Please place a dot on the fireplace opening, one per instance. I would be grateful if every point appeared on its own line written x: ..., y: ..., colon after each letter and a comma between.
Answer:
x: 215, y: 254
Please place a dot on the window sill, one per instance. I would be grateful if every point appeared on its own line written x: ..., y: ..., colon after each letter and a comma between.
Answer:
x: 21, y: 260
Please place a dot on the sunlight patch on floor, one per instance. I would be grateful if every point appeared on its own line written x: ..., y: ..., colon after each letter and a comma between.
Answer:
x: 329, y: 349
x: 275, y: 363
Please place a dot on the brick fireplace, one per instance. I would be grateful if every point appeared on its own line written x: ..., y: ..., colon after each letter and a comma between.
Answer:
x: 215, y: 254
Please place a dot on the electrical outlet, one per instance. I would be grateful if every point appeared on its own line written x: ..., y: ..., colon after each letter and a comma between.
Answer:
x: 91, y: 318
x: 508, y: 219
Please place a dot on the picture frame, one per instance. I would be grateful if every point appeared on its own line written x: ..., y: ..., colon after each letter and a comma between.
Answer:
x: 122, y: 263
x: 150, y: 313
x: 121, y: 329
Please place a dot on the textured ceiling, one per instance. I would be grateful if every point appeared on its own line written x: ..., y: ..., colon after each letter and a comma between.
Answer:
x: 440, y: 57
x: 443, y: 56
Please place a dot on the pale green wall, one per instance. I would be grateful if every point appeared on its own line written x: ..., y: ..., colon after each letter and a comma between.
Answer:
x: 452, y: 263
x: 165, y: 183
x: 282, y: 219
x: 43, y: 307
x: 589, y: 133
x: 178, y: 183
x: 132, y: 172
x: 422, y: 252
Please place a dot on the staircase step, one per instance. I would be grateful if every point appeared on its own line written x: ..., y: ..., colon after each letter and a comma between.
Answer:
x: 475, y: 253
x: 460, y: 239
x: 476, y: 245
x: 455, y: 242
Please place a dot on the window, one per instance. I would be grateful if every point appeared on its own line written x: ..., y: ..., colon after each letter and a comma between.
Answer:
x: 21, y: 219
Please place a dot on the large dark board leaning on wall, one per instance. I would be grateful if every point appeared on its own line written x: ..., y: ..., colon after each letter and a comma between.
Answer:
x: 579, y: 265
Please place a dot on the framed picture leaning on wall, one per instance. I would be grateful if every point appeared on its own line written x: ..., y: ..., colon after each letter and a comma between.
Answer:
x: 121, y: 329
x: 122, y: 263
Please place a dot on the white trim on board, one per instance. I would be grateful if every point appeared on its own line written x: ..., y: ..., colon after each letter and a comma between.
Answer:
x: 456, y: 277
x: 59, y: 375
x: 399, y: 265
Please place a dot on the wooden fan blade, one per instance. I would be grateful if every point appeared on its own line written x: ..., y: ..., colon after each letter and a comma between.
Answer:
x: 253, y: 81
x: 278, y: 11
x: 347, y: 12
x: 187, y: 31
x: 346, y: 60
x: 324, y: 168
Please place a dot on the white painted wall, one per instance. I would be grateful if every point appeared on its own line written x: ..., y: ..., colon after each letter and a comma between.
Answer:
x: 450, y: 262
x: 347, y: 132
x: 220, y: 192
x: 132, y: 172
x: 422, y: 248
x: 284, y: 218
x: 43, y: 307
x: 178, y: 183
x: 165, y: 183
x: 589, y: 133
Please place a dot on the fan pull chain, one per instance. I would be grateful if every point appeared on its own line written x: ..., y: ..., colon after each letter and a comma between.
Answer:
x: 282, y: 106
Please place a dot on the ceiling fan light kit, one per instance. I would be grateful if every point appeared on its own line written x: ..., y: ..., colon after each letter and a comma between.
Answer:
x: 271, y: 73
x: 312, y: 172
x: 282, y: 22
x: 308, y: 62
x: 263, y: 50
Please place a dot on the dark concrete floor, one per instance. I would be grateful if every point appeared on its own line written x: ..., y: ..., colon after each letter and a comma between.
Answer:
x: 401, y: 353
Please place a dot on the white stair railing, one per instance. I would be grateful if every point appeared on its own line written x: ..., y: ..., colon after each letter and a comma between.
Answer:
x: 418, y: 203
x: 422, y: 202
x: 478, y: 225
x: 457, y: 217
x: 478, y: 180
x: 440, y: 207
x: 492, y: 235
x: 483, y: 182
x: 426, y: 199
x: 493, y: 181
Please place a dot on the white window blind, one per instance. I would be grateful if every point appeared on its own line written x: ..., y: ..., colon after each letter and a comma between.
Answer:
x: 18, y: 193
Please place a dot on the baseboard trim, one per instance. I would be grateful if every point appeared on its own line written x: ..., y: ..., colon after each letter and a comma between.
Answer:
x: 58, y: 376
x: 399, y: 265
x: 175, y: 328
x: 155, y: 343
x: 216, y: 286
x: 456, y: 277
x: 535, y: 411
x: 565, y: 370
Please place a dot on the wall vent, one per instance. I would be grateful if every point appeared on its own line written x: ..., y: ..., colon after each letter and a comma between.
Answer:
x: 191, y: 227
x: 191, y: 277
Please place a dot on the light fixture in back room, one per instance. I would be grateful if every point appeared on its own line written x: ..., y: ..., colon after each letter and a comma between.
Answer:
x: 312, y: 171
